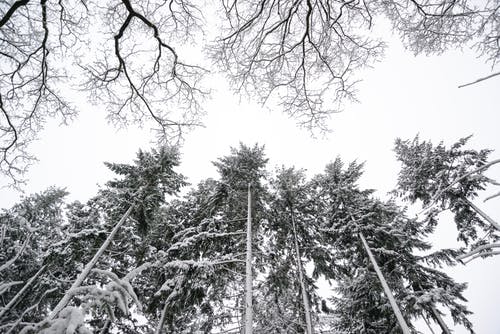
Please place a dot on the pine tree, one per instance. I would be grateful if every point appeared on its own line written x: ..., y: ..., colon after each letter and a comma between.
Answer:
x: 179, y: 261
x: 143, y: 185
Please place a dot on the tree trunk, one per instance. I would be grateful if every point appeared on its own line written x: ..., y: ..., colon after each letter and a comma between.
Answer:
x: 105, y: 328
x: 19, y: 294
x: 162, y: 319
x: 248, y: 285
x: 440, y: 321
x: 483, y: 214
x: 388, y: 293
x: 428, y: 325
x: 79, y: 280
x: 305, y: 299
x: 435, y: 315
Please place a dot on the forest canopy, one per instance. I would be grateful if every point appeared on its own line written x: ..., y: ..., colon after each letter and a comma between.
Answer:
x: 149, y: 253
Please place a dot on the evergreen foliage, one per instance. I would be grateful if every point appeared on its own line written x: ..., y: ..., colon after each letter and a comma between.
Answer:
x: 360, y: 304
x: 176, y: 265
x: 28, y: 232
x: 443, y: 178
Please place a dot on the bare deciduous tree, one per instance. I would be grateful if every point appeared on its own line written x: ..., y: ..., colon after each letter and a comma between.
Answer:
x: 306, y: 52
x: 301, y: 54
x: 123, y: 53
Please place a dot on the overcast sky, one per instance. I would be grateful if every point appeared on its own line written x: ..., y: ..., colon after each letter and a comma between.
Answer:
x: 400, y: 97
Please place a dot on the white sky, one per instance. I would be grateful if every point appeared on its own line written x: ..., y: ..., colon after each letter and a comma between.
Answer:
x: 400, y: 97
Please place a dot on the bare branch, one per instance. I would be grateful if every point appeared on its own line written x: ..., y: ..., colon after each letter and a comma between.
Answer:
x: 142, y: 79
x: 28, y: 83
x: 480, y: 79
x: 492, y: 196
x: 301, y: 55
x: 15, y: 6
x: 298, y: 54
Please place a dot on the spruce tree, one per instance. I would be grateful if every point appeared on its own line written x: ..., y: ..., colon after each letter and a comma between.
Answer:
x: 449, y: 178
x: 416, y: 282
x: 293, y: 241
x: 206, y: 246
x: 100, y: 264
x: 28, y: 231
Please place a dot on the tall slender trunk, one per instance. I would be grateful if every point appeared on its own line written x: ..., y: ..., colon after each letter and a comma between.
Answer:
x: 248, y: 285
x: 483, y: 214
x: 428, y: 325
x: 300, y: 269
x: 388, y: 293
x: 20, y: 293
x: 435, y: 315
x: 162, y: 319
x: 440, y: 321
x: 85, y: 272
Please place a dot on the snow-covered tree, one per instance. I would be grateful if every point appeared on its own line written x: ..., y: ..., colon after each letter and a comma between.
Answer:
x: 203, y: 241
x: 415, y: 280
x: 443, y: 178
x: 96, y: 254
x: 294, y: 240
x: 139, y: 249
x: 27, y: 284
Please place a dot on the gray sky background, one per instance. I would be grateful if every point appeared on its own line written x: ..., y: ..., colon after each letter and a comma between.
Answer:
x: 400, y: 97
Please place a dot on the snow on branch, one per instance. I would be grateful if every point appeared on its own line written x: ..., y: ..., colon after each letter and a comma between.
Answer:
x: 201, y: 235
x: 4, y: 287
x: 90, y: 265
x: 482, y: 255
x: 123, y: 285
x: 20, y: 293
x: 18, y: 254
x: 28, y: 310
x: 477, y: 170
x: 192, y: 263
x: 483, y: 215
x: 479, y: 251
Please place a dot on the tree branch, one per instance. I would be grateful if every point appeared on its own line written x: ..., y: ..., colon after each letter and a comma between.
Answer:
x: 482, y: 255
x: 15, y: 6
x: 480, y: 79
x: 492, y: 196
x: 483, y: 215
x: 477, y: 170
x: 11, y: 261
x: 89, y: 266
x: 20, y: 293
x: 478, y: 250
